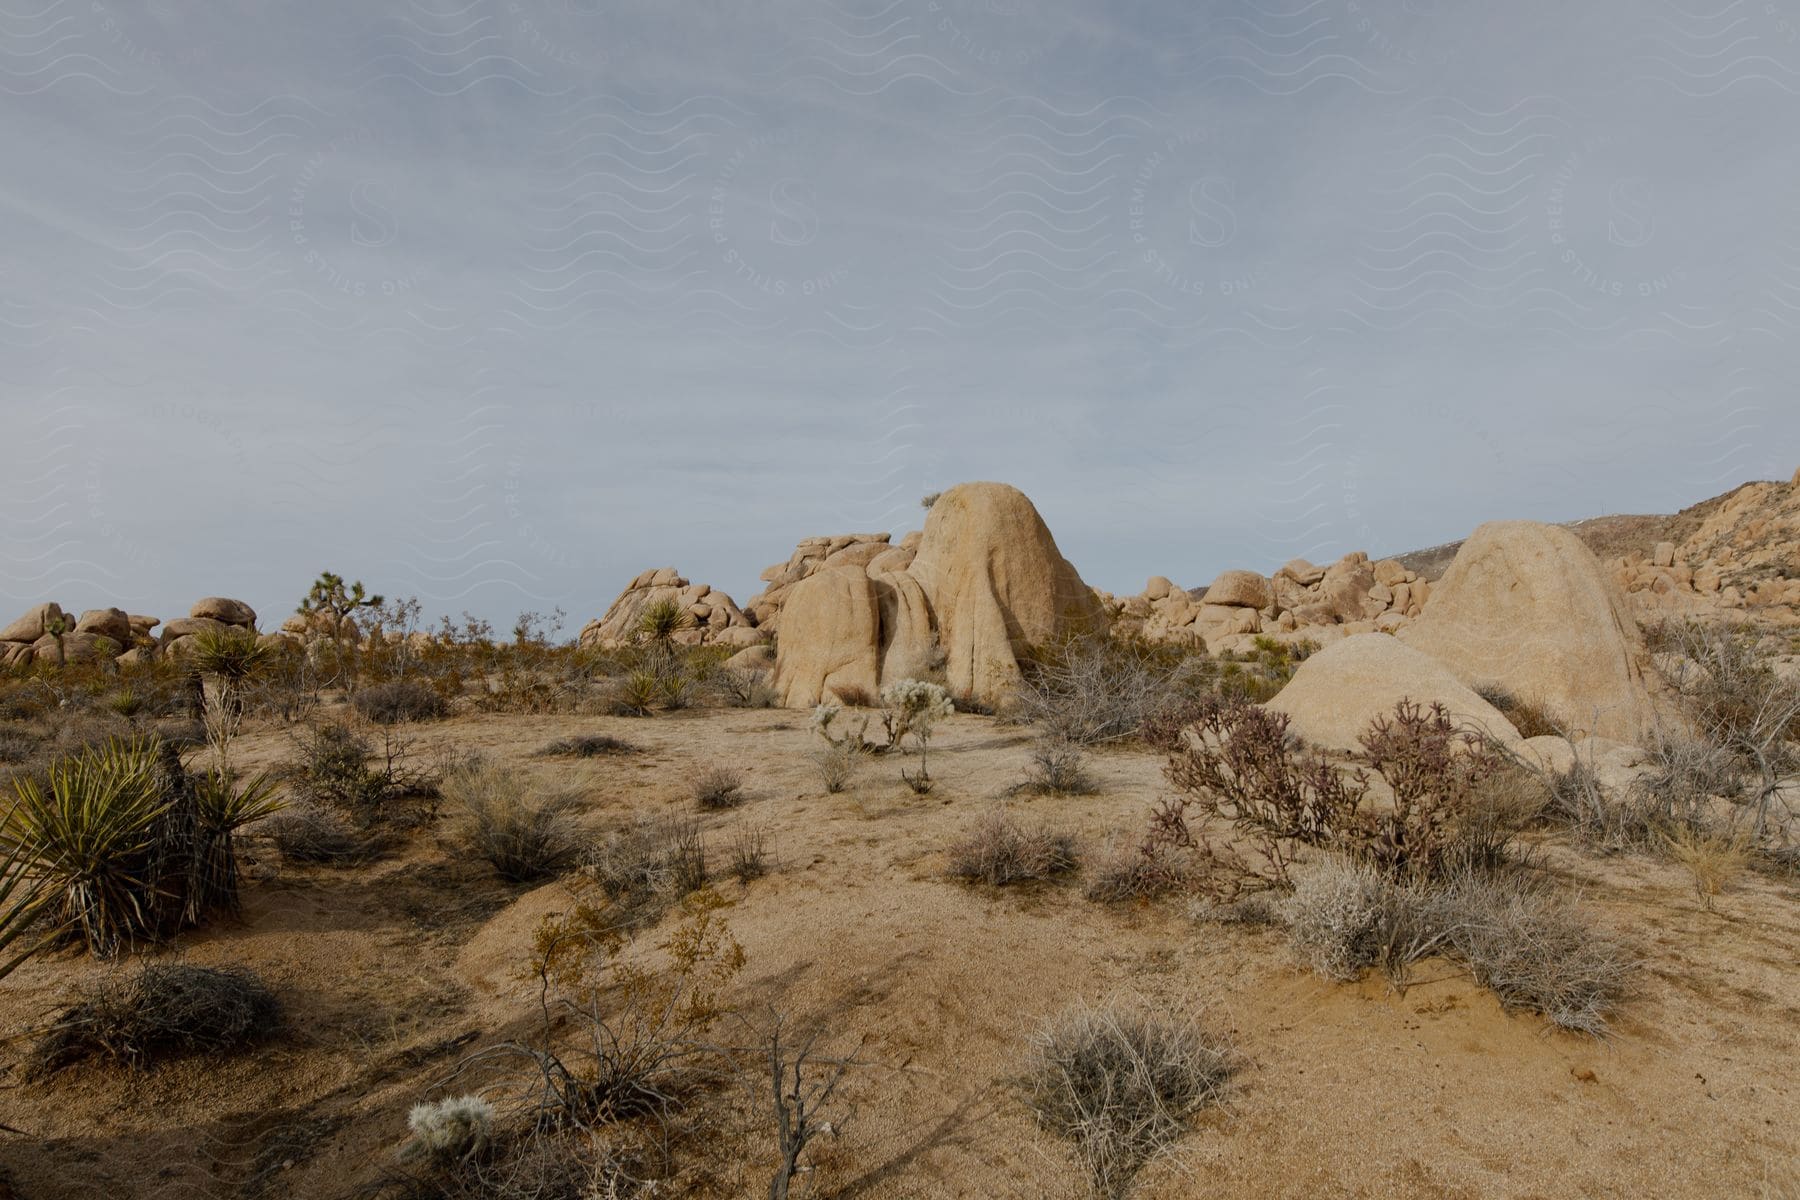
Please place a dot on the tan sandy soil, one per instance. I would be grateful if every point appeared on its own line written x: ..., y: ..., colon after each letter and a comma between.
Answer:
x: 392, y: 972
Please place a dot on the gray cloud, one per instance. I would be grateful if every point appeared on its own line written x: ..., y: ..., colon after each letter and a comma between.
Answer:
x: 500, y: 301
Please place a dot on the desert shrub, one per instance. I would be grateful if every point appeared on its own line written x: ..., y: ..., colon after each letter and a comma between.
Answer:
x: 738, y: 688
x: 1130, y: 872
x: 1711, y: 857
x: 1235, y: 761
x: 340, y: 768
x: 333, y: 768
x: 1097, y: 689
x: 1598, y: 819
x: 662, y: 620
x: 637, y: 693
x: 523, y: 835
x: 24, y: 896
x: 456, y: 1127
x: 1345, y: 917
x: 1531, y: 720
x: 1121, y: 1085
x: 643, y: 867
x: 400, y: 700
x: 163, y: 1008
x: 718, y: 787
x: 855, y: 695
x: 617, y: 1039
x: 1058, y: 768
x: 221, y: 807
x: 837, y: 763
x: 18, y: 745
x: 1741, y: 704
x: 587, y: 745
x: 1536, y: 951
x: 998, y: 850
x: 749, y: 853
x: 1524, y: 942
x: 309, y: 834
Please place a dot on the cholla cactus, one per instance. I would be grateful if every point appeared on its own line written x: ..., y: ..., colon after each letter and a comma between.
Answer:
x: 914, y: 706
x: 451, y: 1128
x: 822, y: 718
x: 917, y: 705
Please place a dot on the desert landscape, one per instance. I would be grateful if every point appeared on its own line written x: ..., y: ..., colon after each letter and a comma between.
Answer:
x: 929, y: 871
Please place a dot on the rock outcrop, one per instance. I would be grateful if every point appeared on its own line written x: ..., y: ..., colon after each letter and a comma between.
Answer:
x: 872, y: 551
x: 997, y: 586
x: 1299, y: 602
x: 831, y: 638
x: 1526, y: 607
x: 714, y: 616
x: 970, y: 595
x: 1336, y: 693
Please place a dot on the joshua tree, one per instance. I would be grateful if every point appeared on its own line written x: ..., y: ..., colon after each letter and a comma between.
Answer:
x: 334, y: 602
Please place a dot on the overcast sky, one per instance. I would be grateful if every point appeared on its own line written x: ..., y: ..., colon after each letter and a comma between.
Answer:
x: 498, y: 302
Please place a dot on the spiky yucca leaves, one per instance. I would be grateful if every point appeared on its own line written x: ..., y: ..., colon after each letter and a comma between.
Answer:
x: 23, y: 896
x: 662, y: 620
x: 222, y: 806
x: 88, y: 833
x: 230, y: 653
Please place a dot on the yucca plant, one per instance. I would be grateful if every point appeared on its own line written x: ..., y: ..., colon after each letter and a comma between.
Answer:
x: 225, y: 660
x: 230, y: 654
x: 23, y: 897
x: 661, y: 621
x: 87, y: 833
x: 638, y: 692
x: 222, y: 806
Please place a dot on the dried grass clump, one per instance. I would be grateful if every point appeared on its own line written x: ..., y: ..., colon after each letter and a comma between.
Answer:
x: 1713, y: 858
x: 164, y: 1008
x: 311, y: 835
x: 400, y: 700
x: 749, y: 853
x: 999, y: 850
x: 524, y: 835
x: 1122, y: 1085
x: 1531, y: 720
x: 1526, y: 943
x: 587, y: 745
x: 718, y: 788
x: 1058, y: 768
x: 838, y: 763
x: 1536, y: 951
x: 855, y: 696
x: 1140, y: 873
x: 644, y: 867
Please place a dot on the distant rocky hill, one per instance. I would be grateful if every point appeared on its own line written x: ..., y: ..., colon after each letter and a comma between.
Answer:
x: 1737, y: 550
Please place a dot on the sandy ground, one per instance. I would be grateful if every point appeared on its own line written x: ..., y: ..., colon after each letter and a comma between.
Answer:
x: 394, y: 971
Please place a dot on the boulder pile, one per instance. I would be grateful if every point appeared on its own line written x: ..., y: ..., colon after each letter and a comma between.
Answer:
x: 1300, y: 601
x: 871, y: 551
x: 49, y: 634
x: 715, y: 617
x: 213, y: 612
x: 970, y: 595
